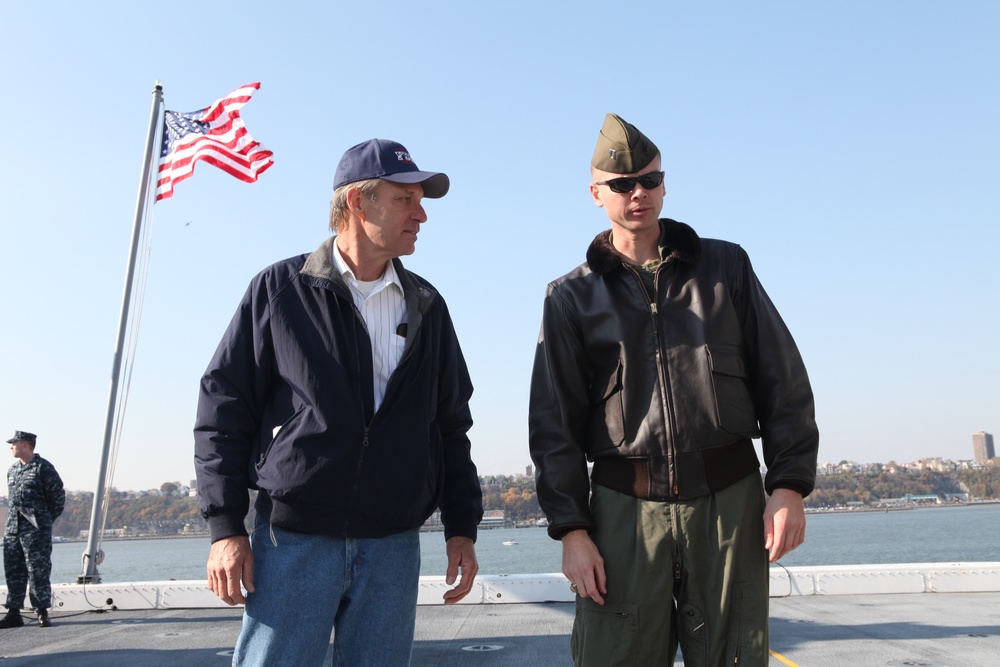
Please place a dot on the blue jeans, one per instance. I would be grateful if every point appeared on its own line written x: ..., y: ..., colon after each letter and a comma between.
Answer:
x: 364, y: 589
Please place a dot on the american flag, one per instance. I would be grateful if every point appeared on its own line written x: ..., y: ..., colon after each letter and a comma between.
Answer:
x: 216, y: 135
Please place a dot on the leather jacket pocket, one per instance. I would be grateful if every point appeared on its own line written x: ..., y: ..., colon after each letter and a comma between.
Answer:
x: 607, y: 415
x: 733, y: 399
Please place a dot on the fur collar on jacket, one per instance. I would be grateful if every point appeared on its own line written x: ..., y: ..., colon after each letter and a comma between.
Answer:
x: 680, y: 240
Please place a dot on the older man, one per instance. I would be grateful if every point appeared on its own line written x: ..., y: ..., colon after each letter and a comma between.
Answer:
x: 36, y: 495
x: 660, y: 359
x: 341, y: 393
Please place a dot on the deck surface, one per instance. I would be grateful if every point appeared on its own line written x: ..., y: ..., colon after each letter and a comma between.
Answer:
x: 895, y: 630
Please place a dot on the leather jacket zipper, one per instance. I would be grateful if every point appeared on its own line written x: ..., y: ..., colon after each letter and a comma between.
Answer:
x: 661, y: 372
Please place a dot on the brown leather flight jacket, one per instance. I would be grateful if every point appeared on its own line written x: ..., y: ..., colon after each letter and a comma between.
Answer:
x: 664, y: 392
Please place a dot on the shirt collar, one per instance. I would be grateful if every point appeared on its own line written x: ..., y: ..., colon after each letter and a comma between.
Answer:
x: 389, y: 276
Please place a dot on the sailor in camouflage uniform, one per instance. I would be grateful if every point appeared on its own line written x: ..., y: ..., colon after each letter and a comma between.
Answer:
x: 36, y: 496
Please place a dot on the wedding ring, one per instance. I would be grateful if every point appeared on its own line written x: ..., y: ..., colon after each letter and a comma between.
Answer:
x: 573, y: 588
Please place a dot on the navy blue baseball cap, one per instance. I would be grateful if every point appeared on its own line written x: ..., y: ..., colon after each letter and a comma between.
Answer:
x: 390, y: 161
x: 22, y: 435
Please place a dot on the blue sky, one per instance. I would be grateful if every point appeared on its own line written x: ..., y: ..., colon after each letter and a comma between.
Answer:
x: 852, y: 148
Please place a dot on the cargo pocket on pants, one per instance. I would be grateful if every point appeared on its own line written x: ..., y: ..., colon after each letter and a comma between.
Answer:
x: 693, y: 635
x: 605, y: 635
x: 746, y: 643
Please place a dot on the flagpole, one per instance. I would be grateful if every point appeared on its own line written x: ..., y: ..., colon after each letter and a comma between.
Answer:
x: 92, y: 557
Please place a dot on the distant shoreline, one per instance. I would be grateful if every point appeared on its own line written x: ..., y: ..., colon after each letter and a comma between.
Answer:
x: 809, y: 510
x: 870, y: 508
x: 69, y: 540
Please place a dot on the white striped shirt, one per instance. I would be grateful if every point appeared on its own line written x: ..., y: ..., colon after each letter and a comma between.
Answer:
x: 383, y: 309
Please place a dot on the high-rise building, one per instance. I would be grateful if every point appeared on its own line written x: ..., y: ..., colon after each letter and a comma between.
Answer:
x: 982, y: 446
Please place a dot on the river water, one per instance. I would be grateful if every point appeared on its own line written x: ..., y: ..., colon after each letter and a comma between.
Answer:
x: 926, y: 535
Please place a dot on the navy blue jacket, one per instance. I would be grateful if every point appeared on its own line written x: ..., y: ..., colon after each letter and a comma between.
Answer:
x: 297, y: 356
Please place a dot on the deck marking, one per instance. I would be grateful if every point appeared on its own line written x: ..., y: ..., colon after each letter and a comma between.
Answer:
x: 783, y: 659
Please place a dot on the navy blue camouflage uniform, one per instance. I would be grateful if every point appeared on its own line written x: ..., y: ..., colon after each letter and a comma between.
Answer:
x: 36, y: 496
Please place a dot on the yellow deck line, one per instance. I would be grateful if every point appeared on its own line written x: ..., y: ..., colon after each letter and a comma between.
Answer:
x: 783, y: 659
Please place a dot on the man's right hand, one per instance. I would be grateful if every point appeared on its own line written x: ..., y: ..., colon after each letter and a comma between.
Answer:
x: 584, y: 566
x: 230, y: 562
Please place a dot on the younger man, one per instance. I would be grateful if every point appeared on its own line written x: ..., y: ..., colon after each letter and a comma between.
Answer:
x: 659, y: 359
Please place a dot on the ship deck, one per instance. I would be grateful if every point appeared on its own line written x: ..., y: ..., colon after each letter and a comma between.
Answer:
x: 818, y: 619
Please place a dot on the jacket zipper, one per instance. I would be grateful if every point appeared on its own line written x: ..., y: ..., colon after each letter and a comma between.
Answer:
x: 343, y: 292
x: 365, y: 439
x: 358, y: 318
x: 669, y: 413
x: 661, y: 371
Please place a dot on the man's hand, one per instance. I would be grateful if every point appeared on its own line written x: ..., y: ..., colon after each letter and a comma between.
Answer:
x: 784, y: 523
x: 230, y: 562
x: 461, y: 558
x: 584, y: 566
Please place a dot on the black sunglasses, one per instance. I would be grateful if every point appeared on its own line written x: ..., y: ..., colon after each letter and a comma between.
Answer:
x: 627, y: 183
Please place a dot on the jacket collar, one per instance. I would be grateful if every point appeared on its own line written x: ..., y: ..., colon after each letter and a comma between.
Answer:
x: 680, y: 242
x: 321, y: 270
x: 320, y: 264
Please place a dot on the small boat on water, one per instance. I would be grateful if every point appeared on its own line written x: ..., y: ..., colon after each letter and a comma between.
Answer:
x: 510, y: 543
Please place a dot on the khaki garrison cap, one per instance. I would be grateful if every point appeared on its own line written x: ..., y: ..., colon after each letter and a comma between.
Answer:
x: 621, y: 148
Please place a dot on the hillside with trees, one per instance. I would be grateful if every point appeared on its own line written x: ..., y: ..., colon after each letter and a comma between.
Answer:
x: 147, y: 515
x: 514, y: 494
x: 868, y: 488
x: 169, y: 511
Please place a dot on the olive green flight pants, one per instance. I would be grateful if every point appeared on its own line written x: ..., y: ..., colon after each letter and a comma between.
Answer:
x: 690, y: 572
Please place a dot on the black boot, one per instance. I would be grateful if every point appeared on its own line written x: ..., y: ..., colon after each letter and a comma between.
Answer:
x: 43, y: 619
x: 12, y: 619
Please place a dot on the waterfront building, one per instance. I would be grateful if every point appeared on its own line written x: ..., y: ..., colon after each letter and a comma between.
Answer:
x: 982, y: 446
x: 492, y: 519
